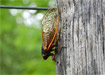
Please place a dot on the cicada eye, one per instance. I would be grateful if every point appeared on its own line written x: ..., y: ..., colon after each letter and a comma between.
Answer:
x: 45, y: 56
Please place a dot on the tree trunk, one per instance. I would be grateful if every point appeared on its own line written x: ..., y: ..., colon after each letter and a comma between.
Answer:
x: 82, y: 25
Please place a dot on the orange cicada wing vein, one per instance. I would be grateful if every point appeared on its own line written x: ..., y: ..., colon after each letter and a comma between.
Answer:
x: 49, y: 28
x: 54, y: 34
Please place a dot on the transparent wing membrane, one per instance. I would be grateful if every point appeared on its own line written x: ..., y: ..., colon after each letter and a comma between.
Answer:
x: 49, y: 27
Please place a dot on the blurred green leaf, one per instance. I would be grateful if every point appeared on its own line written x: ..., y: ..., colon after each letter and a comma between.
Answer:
x: 21, y: 40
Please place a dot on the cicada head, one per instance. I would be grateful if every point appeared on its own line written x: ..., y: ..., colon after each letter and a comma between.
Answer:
x: 45, y: 55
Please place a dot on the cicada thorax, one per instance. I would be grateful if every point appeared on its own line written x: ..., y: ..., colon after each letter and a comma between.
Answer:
x: 49, y: 27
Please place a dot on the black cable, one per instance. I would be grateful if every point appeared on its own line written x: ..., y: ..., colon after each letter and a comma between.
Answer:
x: 23, y: 7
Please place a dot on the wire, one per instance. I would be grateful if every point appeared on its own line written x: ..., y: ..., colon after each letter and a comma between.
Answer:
x: 23, y: 7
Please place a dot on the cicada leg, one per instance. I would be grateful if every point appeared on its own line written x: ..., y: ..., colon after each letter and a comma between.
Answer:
x: 53, y: 56
x: 58, y: 48
x: 56, y: 42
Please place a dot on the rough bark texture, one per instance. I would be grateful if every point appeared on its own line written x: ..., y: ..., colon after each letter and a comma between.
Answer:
x: 83, y: 33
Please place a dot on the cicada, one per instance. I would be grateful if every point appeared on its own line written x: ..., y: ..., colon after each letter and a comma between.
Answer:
x: 50, y: 23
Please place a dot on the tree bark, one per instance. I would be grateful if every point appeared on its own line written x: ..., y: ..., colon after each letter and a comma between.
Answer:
x: 82, y: 25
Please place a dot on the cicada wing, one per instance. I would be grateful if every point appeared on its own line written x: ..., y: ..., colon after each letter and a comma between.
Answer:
x: 49, y: 26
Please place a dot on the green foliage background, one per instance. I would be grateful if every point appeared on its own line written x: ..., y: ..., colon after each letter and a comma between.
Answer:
x: 20, y: 44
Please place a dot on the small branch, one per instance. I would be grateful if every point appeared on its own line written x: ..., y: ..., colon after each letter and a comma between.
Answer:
x: 23, y: 7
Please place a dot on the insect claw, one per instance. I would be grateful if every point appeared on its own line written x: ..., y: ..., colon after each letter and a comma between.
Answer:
x: 62, y: 47
x: 53, y: 57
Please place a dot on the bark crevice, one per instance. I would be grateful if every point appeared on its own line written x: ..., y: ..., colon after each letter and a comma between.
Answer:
x: 83, y: 33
